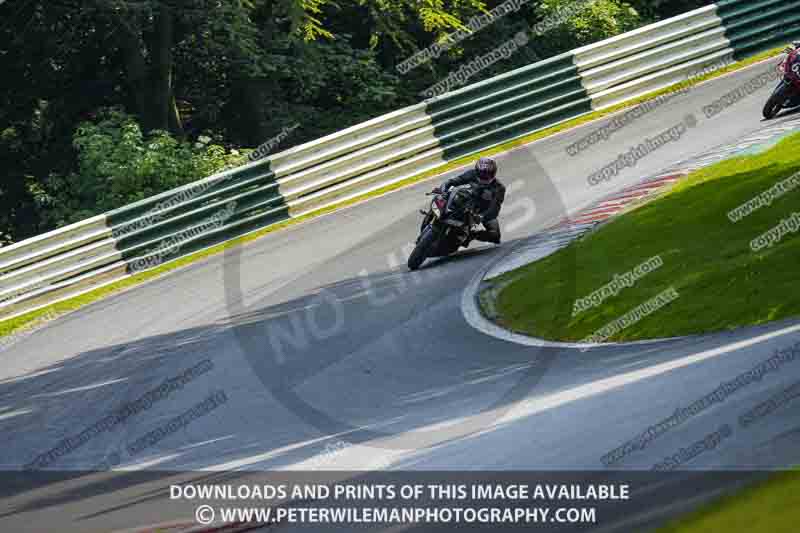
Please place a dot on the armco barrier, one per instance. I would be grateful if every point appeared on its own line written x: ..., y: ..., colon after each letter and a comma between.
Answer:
x: 508, y: 106
x: 390, y: 148
x: 653, y: 57
x: 756, y: 25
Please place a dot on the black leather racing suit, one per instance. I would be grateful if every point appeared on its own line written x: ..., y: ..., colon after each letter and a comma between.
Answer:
x: 490, y: 198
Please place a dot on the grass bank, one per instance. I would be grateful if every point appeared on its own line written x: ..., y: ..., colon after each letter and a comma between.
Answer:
x: 770, y: 507
x: 685, y: 244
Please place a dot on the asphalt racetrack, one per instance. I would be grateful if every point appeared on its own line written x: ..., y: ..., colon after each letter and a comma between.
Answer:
x: 320, y: 350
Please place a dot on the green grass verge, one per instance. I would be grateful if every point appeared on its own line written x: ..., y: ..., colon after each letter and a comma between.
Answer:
x: 706, y: 258
x: 769, y: 507
x: 31, y: 319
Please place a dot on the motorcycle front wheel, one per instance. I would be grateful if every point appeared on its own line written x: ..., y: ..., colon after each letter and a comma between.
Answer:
x: 422, y: 249
x: 775, y: 102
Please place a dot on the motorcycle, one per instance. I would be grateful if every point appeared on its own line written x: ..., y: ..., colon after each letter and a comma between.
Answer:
x: 787, y: 94
x: 448, y: 225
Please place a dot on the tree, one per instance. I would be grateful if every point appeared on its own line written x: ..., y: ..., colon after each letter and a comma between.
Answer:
x: 574, y: 23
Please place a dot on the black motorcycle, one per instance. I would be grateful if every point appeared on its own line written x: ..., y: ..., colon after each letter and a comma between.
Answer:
x: 787, y: 94
x: 448, y: 225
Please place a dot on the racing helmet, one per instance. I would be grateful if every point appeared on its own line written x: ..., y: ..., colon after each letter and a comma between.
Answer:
x: 486, y: 169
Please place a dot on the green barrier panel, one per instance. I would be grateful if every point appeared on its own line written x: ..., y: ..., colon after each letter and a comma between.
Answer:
x: 509, y: 106
x: 151, y: 239
x: 515, y: 129
x: 197, y: 208
x: 142, y: 228
x: 194, y: 191
x: 516, y: 81
x: 236, y: 226
x: 755, y: 26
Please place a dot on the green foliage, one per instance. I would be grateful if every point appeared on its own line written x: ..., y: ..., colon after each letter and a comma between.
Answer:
x: 662, y: 9
x: 308, y: 23
x: 118, y: 165
x: 592, y: 21
x: 392, y: 18
x: 337, y: 83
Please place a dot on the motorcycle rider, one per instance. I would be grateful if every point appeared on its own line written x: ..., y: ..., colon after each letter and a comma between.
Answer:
x: 490, y: 192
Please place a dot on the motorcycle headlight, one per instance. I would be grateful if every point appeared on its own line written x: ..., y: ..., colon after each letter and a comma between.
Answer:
x: 438, y: 205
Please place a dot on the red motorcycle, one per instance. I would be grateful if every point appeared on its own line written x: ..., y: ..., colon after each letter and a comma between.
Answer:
x: 787, y: 94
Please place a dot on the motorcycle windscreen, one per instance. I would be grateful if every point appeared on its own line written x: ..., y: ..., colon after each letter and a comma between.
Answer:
x: 456, y: 203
